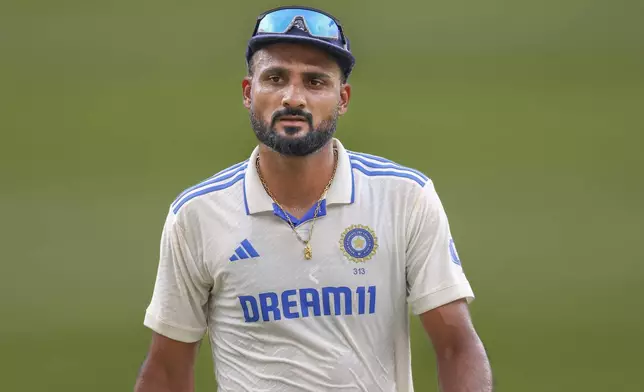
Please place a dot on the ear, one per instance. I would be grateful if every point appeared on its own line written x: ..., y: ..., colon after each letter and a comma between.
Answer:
x: 345, y: 97
x: 246, y: 83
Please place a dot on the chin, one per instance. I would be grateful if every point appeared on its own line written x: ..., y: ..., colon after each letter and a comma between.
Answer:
x: 293, y: 131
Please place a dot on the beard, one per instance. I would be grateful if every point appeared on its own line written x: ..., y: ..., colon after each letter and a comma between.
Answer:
x: 311, y: 142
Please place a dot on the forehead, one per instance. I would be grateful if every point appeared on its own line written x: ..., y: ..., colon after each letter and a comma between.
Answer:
x: 291, y: 55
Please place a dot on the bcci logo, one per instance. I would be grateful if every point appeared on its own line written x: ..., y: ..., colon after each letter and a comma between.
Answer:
x: 358, y: 243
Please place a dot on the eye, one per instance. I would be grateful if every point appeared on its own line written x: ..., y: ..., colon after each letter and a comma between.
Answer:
x: 316, y: 82
x: 274, y: 78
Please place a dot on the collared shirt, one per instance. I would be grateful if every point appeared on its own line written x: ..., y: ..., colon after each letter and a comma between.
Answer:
x: 231, y: 266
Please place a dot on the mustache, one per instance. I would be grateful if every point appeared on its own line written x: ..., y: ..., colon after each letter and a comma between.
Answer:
x: 291, y: 112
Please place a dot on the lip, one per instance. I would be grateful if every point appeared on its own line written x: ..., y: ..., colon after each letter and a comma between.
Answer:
x: 292, y: 118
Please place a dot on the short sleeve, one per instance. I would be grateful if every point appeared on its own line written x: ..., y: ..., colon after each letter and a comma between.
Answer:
x: 179, y: 305
x: 435, y: 276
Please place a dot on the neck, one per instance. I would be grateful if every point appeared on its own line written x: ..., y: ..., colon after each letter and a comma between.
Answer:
x: 297, y: 182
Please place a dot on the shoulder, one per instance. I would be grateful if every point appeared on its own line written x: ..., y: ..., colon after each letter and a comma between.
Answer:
x: 391, y: 173
x: 215, y: 185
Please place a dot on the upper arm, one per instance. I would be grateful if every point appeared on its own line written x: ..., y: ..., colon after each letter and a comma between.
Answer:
x: 177, y: 313
x: 179, y: 306
x: 169, y: 365
x: 172, y: 354
x: 435, y: 276
x: 449, y: 327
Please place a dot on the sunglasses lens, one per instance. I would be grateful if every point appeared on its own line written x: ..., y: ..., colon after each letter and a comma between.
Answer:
x: 318, y: 24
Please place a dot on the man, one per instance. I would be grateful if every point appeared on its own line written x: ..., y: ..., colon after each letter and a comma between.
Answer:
x: 300, y: 262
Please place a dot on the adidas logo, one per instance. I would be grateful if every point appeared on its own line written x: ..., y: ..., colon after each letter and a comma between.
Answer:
x: 245, y: 251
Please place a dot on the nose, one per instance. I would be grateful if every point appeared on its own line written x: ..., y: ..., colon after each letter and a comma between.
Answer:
x: 294, y: 97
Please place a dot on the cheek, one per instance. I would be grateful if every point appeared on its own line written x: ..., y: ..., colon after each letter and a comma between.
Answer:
x: 262, y: 105
x: 326, y: 109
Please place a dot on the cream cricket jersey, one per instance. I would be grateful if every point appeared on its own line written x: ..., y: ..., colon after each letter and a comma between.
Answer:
x: 231, y: 266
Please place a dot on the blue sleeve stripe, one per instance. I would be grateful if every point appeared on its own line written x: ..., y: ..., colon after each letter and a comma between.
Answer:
x: 374, y: 157
x: 375, y: 168
x: 385, y: 165
x: 222, y: 175
x: 410, y: 176
x: 213, y: 188
x: 220, y: 178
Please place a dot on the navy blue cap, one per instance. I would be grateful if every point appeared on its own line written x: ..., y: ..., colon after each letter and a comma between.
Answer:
x: 338, y: 49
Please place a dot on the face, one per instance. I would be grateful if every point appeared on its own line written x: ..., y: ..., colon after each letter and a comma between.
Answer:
x: 294, y: 96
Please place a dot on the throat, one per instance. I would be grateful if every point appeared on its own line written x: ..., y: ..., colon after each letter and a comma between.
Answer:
x: 303, y: 212
x: 297, y: 186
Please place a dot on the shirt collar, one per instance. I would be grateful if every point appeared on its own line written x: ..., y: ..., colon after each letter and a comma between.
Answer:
x: 341, y: 191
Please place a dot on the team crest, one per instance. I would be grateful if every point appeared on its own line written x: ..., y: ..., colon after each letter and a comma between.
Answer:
x: 358, y: 243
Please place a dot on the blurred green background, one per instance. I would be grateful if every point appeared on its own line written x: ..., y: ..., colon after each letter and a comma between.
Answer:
x: 527, y: 115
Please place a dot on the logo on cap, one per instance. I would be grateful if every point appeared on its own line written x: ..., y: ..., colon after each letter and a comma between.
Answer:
x: 298, y: 22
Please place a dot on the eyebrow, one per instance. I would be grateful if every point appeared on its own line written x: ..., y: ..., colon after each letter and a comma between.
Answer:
x: 317, y: 75
x: 309, y: 74
x: 275, y: 70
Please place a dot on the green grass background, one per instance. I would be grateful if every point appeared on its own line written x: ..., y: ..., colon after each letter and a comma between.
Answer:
x: 527, y: 115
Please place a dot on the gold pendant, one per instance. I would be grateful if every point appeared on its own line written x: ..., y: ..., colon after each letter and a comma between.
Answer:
x: 308, y: 252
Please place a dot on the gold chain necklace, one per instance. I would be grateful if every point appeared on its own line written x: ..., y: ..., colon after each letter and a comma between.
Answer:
x: 308, y: 252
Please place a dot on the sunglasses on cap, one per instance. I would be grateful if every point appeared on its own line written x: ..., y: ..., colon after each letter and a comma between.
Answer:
x: 314, y: 22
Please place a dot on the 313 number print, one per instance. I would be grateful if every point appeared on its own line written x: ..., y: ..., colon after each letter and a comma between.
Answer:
x: 359, y: 271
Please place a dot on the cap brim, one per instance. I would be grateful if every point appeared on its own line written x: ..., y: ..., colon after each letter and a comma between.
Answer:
x: 345, y: 57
